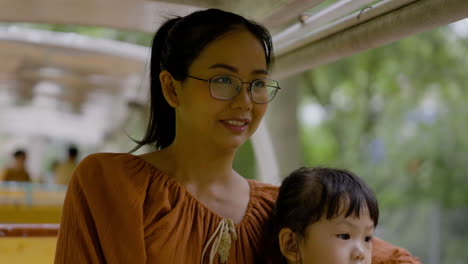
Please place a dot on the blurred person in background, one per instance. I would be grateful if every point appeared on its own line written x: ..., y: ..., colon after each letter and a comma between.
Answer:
x: 64, y: 170
x: 49, y: 175
x: 17, y: 172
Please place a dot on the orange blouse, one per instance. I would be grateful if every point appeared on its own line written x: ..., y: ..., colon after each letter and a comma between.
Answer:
x: 121, y: 209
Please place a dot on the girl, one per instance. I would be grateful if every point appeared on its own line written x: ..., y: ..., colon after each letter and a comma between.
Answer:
x: 328, y: 216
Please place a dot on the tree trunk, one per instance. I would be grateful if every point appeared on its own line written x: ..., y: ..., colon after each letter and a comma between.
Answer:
x: 283, y: 125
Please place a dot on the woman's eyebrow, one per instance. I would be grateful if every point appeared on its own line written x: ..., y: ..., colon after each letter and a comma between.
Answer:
x: 224, y: 66
x: 234, y: 69
x: 265, y: 72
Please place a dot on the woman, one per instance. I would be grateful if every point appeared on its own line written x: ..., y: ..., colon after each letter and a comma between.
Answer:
x: 182, y: 203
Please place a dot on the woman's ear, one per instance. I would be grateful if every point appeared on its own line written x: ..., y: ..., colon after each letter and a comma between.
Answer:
x: 288, y: 245
x: 168, y: 85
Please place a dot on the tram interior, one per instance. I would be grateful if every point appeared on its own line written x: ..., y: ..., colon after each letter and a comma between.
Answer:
x: 379, y: 87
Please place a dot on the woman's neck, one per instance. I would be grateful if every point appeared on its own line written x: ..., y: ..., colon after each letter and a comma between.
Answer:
x: 207, y: 174
x: 204, y: 164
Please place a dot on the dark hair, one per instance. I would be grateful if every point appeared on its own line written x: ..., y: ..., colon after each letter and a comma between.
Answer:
x: 72, y: 151
x: 19, y: 153
x: 175, y: 46
x: 308, y: 194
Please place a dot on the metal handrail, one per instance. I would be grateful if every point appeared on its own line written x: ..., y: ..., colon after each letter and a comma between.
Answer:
x: 31, y: 194
x: 29, y: 230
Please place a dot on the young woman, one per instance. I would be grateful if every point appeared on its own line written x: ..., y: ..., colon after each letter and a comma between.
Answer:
x: 182, y: 203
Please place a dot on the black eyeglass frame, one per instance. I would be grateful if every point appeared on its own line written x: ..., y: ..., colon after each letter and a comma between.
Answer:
x: 277, y: 88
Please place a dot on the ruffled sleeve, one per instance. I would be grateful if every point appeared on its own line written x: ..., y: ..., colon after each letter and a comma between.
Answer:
x: 386, y: 253
x: 103, y: 204
x: 253, y: 232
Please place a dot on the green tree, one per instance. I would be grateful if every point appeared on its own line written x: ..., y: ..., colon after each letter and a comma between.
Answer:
x: 397, y: 116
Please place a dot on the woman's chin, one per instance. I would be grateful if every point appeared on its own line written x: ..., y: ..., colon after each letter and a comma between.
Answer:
x: 232, y: 144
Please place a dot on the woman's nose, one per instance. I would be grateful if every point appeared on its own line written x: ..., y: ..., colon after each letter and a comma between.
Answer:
x: 243, y: 99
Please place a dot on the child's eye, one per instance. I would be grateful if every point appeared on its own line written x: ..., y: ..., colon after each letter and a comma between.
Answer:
x: 368, y: 239
x: 343, y: 236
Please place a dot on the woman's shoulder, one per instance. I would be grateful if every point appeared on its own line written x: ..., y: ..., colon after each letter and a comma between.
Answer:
x: 264, y: 189
x: 386, y: 253
x: 116, y: 170
x: 103, y: 159
x: 116, y: 162
x: 263, y: 194
x: 123, y: 179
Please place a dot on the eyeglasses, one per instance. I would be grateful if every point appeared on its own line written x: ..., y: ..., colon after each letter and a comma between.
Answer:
x: 226, y: 87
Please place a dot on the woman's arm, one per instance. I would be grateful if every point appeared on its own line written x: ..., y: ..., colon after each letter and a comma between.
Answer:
x: 386, y: 253
x: 102, y: 216
x: 78, y: 240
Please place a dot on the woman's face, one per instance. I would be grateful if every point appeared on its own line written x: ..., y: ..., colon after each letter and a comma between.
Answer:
x: 223, y: 123
x: 342, y: 240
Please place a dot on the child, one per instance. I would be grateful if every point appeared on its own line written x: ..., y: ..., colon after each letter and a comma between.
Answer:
x: 324, y: 216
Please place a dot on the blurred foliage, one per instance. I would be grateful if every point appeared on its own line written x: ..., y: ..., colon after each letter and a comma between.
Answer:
x: 398, y: 116
x: 244, y: 162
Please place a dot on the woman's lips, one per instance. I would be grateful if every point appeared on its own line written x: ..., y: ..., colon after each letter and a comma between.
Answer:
x: 235, y: 125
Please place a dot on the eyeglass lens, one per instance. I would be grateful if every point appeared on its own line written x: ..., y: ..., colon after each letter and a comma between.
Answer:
x: 227, y: 87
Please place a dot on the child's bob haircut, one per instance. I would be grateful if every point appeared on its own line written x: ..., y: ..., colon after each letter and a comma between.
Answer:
x: 310, y: 194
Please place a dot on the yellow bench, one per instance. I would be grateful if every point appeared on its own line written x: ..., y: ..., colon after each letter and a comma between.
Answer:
x: 30, y: 214
x: 28, y: 243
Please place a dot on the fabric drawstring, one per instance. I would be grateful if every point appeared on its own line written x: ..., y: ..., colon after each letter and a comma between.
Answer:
x: 221, y: 241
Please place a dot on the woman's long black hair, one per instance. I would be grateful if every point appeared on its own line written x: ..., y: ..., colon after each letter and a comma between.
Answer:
x: 175, y: 46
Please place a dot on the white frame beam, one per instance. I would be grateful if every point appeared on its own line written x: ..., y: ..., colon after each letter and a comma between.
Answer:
x: 391, y: 26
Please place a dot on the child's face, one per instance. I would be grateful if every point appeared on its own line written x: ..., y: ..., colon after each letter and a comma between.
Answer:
x: 339, y: 241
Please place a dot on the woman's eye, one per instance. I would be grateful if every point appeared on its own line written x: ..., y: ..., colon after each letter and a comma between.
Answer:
x: 223, y: 79
x: 259, y: 84
x: 343, y: 236
x: 368, y: 239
